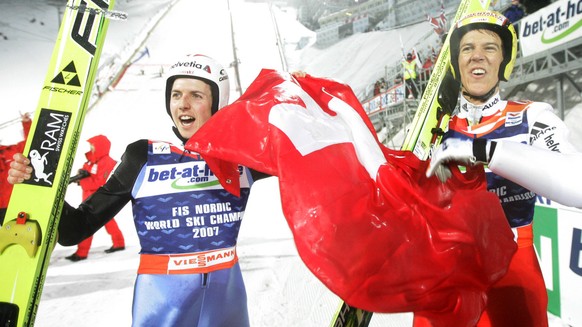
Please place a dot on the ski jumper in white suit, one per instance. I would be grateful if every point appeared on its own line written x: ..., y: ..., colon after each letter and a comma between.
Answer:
x: 526, y: 149
x: 520, y: 298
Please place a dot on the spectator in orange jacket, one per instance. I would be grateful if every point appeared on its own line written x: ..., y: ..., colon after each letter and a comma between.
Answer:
x: 91, y: 177
x: 6, y: 153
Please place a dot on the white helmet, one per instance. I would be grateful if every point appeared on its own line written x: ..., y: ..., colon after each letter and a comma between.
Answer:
x: 203, y: 68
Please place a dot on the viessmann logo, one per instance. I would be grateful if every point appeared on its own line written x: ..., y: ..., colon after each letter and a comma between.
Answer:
x: 564, y: 20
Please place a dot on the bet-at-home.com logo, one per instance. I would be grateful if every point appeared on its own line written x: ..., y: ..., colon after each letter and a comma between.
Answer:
x: 564, y: 20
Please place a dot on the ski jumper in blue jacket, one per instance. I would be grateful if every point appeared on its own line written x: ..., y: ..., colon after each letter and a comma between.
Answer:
x: 187, y: 223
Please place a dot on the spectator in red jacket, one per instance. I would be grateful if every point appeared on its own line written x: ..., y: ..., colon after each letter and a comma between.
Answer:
x: 6, y: 153
x: 91, y: 177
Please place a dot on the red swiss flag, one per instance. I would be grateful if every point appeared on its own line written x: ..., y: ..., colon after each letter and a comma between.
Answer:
x: 365, y: 219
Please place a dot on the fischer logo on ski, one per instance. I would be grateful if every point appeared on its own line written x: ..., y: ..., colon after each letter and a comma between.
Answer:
x: 68, y: 76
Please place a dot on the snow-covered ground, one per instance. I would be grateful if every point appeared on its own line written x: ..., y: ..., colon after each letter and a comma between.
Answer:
x: 98, y: 291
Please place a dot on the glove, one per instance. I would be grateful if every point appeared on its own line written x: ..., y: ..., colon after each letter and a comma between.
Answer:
x: 462, y: 152
x: 82, y: 174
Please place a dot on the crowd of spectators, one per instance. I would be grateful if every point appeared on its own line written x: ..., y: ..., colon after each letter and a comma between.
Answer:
x: 426, y: 60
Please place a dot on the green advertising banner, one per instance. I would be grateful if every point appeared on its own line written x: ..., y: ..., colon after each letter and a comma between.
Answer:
x: 558, y: 242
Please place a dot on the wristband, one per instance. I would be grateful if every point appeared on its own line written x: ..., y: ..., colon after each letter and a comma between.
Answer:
x: 480, y: 150
x: 492, y: 146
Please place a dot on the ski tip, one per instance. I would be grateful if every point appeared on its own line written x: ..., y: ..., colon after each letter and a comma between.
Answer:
x: 110, y: 14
